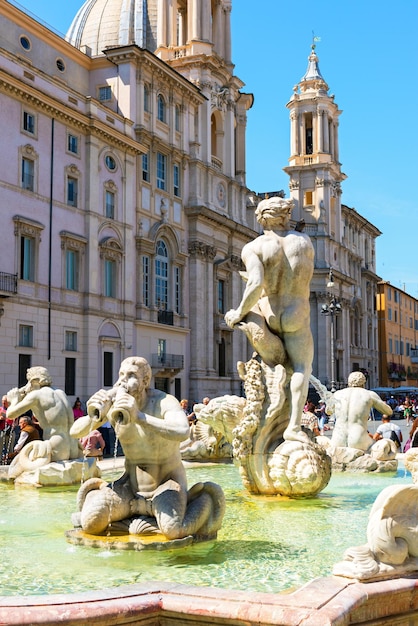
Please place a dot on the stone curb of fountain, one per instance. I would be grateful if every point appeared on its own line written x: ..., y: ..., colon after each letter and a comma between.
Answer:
x: 331, y: 601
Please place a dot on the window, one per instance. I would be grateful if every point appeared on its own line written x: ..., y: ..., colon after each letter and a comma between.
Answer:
x: 145, y: 280
x: 25, y: 43
x: 107, y: 369
x: 221, y: 296
x: 72, y: 191
x: 110, y: 163
x: 70, y: 368
x: 72, y: 143
x: 111, y: 255
x: 25, y: 362
x: 110, y: 278
x: 161, y: 109
x: 73, y: 249
x: 105, y: 93
x: 60, y: 65
x: 308, y: 198
x: 389, y: 314
x: 389, y: 293
x: 71, y: 270
x: 28, y: 169
x: 25, y: 336
x: 145, y: 167
x: 396, y: 296
x: 161, y: 350
x: 110, y: 205
x: 29, y: 122
x: 176, y: 180
x: 177, y: 117
x: 390, y: 345
x: 161, y: 170
x: 27, y: 258
x: 71, y: 340
x: 28, y: 237
x: 161, y: 276
x: 146, y: 99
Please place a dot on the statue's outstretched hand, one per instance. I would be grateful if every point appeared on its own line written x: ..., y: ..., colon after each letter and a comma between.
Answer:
x: 232, y: 318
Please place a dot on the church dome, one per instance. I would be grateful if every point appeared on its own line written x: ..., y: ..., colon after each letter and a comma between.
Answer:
x: 101, y: 24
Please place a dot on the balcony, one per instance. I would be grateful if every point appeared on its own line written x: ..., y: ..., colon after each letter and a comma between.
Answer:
x: 167, y: 362
x: 8, y: 284
x: 166, y: 317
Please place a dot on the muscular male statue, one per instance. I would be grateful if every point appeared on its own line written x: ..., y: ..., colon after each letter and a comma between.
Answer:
x: 352, y: 411
x: 51, y: 408
x: 279, y: 267
x: 150, y: 425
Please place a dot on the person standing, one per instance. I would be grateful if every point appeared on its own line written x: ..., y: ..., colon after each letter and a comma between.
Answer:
x: 407, y: 411
x: 78, y: 409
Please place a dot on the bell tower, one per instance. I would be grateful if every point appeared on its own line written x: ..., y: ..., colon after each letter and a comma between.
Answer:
x: 314, y: 167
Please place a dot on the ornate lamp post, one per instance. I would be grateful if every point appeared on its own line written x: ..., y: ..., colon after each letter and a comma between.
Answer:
x: 332, y: 308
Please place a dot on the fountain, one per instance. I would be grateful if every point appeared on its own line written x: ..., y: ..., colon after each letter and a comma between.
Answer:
x: 266, y: 546
x: 267, y: 541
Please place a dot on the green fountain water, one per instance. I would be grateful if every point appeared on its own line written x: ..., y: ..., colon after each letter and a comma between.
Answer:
x: 265, y: 544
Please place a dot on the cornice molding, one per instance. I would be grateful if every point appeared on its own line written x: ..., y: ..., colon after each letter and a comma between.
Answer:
x: 86, y: 124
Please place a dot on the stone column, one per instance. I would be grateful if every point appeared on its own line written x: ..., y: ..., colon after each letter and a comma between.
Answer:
x: 293, y: 133
x: 205, y: 20
x: 314, y: 132
x: 162, y: 24
x: 227, y: 34
x: 228, y: 156
x: 217, y: 29
x: 182, y: 28
x: 320, y: 131
x: 331, y: 140
x: 201, y: 307
x: 326, y: 133
x: 193, y: 21
x: 336, y: 146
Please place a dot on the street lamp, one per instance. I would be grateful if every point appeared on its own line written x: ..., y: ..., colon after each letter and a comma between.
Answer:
x: 332, y: 309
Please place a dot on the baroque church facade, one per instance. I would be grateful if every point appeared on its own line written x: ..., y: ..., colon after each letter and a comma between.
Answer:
x: 125, y: 206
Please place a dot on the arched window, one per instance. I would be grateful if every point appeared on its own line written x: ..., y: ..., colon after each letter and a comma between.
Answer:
x: 161, y: 109
x: 161, y: 276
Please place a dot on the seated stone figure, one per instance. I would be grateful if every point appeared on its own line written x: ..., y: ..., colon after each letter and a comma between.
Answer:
x: 54, y: 414
x: 151, y: 496
x: 352, y: 411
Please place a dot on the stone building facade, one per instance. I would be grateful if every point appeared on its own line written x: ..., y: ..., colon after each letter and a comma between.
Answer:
x: 397, y: 314
x: 123, y: 196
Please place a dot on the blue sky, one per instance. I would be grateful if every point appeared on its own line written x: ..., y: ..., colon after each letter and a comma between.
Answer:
x: 368, y: 56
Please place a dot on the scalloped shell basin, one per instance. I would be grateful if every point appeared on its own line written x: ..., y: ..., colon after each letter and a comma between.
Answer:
x: 265, y: 544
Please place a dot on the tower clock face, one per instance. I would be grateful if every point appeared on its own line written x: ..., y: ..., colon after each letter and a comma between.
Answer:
x: 221, y: 195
